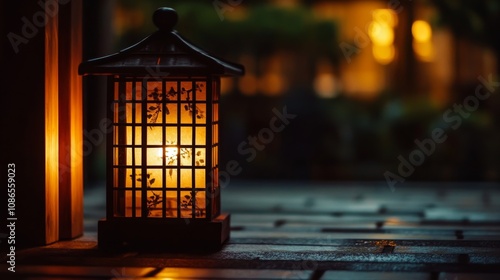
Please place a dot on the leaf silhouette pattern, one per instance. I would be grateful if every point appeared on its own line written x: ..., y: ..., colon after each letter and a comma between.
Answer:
x: 153, y: 111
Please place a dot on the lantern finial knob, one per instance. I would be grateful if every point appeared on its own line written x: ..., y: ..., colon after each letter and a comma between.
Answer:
x: 165, y: 18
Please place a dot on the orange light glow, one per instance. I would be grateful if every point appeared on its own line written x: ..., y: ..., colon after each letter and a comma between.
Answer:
x: 51, y: 131
x: 126, y: 19
x: 422, y: 40
x: 272, y: 84
x: 226, y: 86
x: 381, y: 33
x: 393, y: 221
x: 387, y: 16
x: 166, y: 160
x: 325, y: 85
x: 383, y: 54
x: 424, y: 50
x: 76, y: 122
x: 170, y: 152
x: 385, y: 243
x: 248, y: 84
x: 421, y: 31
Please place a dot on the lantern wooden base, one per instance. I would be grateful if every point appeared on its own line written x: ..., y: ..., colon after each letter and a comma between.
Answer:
x: 165, y: 235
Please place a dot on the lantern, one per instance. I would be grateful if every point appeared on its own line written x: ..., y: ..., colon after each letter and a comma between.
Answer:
x: 162, y: 186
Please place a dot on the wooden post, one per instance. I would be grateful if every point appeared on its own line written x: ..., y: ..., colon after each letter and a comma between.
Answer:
x: 70, y: 121
x: 41, y: 117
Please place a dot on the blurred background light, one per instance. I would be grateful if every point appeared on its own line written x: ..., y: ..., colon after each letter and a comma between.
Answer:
x: 421, y: 31
x: 384, y: 54
x: 417, y: 59
x: 381, y: 33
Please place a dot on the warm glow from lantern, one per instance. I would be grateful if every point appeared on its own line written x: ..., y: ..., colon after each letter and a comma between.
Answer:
x: 162, y: 144
x: 76, y: 125
x: 421, y: 31
x: 170, y: 152
x: 163, y: 150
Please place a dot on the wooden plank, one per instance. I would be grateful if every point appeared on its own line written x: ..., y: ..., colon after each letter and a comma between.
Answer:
x: 210, y: 273
x: 71, y: 121
x: 294, y: 243
x: 60, y: 271
x: 468, y: 276
x: 51, y: 118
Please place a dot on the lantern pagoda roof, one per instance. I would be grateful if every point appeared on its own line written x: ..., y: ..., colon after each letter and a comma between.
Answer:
x: 164, y: 52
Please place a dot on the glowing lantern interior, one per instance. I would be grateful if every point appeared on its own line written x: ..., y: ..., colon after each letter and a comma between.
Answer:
x: 165, y: 148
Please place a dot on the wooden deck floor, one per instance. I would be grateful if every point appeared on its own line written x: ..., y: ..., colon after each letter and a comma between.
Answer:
x: 299, y: 230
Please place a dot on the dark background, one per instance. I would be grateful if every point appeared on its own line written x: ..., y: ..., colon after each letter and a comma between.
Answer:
x: 348, y: 126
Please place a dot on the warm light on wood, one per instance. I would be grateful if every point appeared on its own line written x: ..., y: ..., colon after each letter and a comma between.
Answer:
x: 70, y: 124
x: 51, y: 131
x: 76, y: 121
